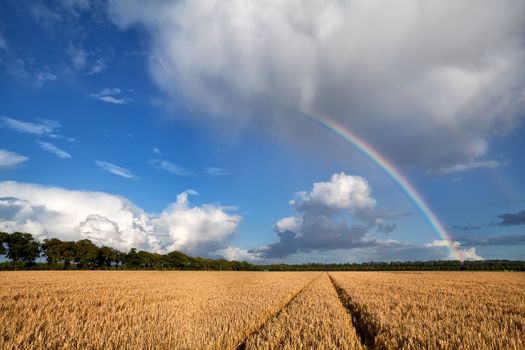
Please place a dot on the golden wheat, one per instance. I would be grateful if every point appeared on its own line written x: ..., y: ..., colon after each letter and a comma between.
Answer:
x: 139, y: 310
x: 458, y: 310
x: 315, y: 319
x: 258, y: 310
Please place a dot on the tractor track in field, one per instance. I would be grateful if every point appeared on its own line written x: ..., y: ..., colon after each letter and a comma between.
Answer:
x: 242, y: 344
x: 366, y: 328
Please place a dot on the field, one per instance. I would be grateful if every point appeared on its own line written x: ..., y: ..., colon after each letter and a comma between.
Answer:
x: 261, y: 310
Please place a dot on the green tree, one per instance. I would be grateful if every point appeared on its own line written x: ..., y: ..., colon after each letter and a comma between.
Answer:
x: 3, y: 236
x: 106, y: 256
x: 52, y: 249
x: 67, y: 253
x: 22, y: 247
x: 86, y: 253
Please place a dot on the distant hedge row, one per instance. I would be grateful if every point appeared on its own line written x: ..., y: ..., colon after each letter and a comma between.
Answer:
x: 24, y: 253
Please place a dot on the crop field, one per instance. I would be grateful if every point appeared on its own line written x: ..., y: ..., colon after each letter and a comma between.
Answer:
x: 261, y: 310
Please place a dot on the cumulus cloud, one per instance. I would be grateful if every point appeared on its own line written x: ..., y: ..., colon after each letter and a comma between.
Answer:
x: 161, y: 164
x: 112, y: 220
x: 463, y: 253
x: 342, y: 193
x: 448, y: 77
x: 111, y: 95
x: 116, y: 170
x: 321, y: 224
x: 49, y: 147
x: 10, y: 159
x: 512, y: 219
x: 238, y: 254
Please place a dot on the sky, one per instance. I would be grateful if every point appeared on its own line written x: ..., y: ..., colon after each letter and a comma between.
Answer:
x: 277, y: 131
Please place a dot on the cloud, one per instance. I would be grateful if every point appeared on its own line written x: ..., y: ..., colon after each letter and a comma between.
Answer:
x: 116, y: 170
x: 100, y: 65
x: 465, y: 228
x: 90, y: 62
x: 471, y: 165
x: 183, y: 223
x: 77, y: 56
x: 10, y: 159
x: 49, y: 147
x: 213, y: 171
x: 40, y: 127
x: 322, y: 223
x: 512, y: 219
x: 113, y: 96
x: 44, y: 15
x: 463, y: 253
x: 342, y: 193
x: 504, y: 240
x: 161, y: 164
x: 113, y: 220
x: 290, y: 223
x: 514, y: 201
x: 446, y: 85
x: 234, y: 253
x: 156, y: 151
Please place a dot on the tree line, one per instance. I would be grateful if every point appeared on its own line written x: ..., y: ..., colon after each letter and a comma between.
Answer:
x: 25, y: 252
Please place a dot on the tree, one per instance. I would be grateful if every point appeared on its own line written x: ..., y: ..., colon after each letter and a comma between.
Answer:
x: 106, y: 256
x: 3, y: 236
x: 86, y: 253
x: 52, y: 249
x: 67, y: 253
x: 22, y: 247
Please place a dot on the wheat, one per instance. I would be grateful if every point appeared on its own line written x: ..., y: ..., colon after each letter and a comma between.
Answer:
x: 315, y: 319
x: 139, y: 310
x: 438, y: 310
x: 261, y: 310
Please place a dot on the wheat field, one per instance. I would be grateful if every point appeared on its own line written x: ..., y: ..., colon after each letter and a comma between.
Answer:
x: 261, y: 310
x: 441, y: 310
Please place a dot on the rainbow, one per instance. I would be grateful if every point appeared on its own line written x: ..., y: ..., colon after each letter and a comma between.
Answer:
x: 395, y: 174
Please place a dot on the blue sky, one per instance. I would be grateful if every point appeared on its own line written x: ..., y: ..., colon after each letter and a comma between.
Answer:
x: 179, y: 126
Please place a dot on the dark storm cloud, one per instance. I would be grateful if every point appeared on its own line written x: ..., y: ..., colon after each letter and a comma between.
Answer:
x: 370, y: 66
x: 512, y: 219
x: 465, y: 228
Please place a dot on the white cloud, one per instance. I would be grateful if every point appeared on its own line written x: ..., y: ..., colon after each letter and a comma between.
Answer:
x: 214, y: 171
x: 49, y: 147
x: 446, y: 76
x: 156, y: 151
x: 184, y: 223
x: 116, y: 170
x: 471, y: 165
x: 40, y: 127
x: 10, y: 159
x: 290, y: 223
x: 90, y: 62
x: 161, y: 164
x: 463, y: 253
x: 321, y: 226
x: 235, y: 253
x: 342, y: 193
x: 78, y: 56
x: 111, y: 95
x: 42, y: 76
x: 99, y: 66
x: 113, y: 220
